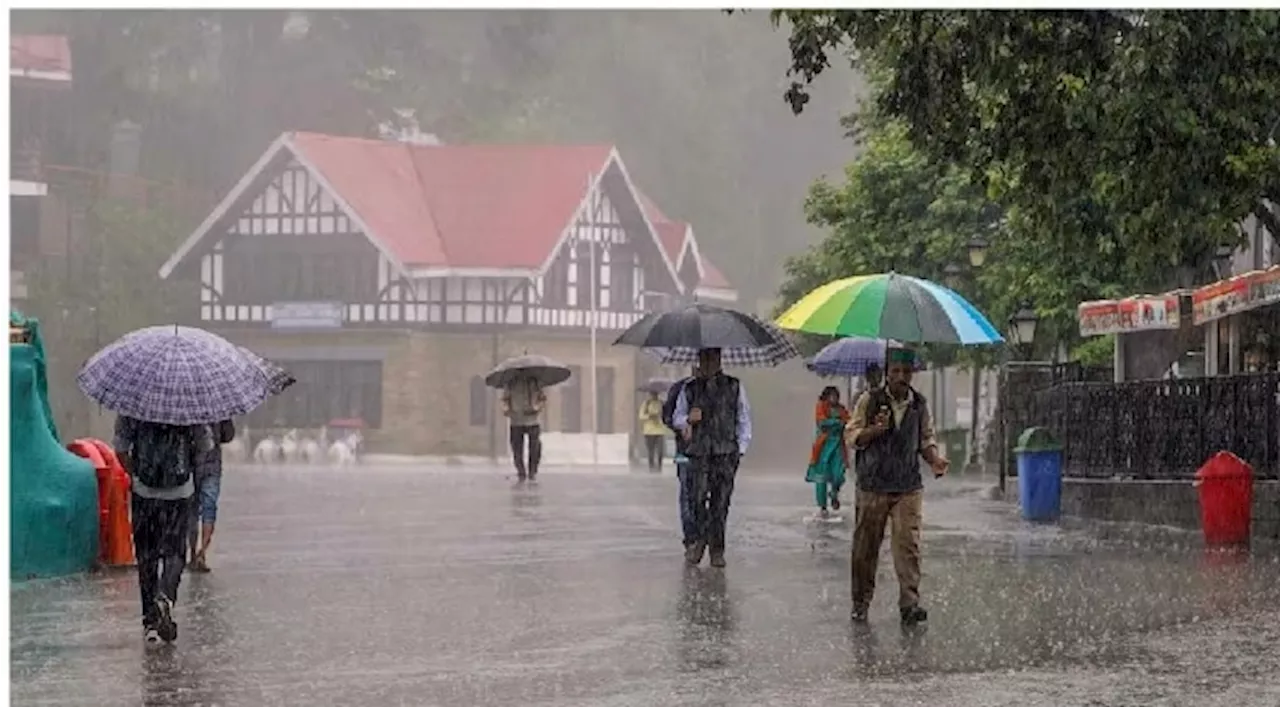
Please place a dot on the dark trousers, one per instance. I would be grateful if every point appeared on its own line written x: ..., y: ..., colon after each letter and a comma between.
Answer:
x: 688, y: 492
x: 518, y: 434
x: 159, y: 542
x: 712, y: 486
x: 654, y: 445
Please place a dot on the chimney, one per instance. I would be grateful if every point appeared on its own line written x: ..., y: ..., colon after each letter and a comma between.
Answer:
x: 126, y: 148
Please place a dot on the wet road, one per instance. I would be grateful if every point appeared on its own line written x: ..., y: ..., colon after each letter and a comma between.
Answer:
x: 454, y: 587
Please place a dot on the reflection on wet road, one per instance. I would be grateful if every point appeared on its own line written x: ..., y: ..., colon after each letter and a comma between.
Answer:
x: 453, y: 587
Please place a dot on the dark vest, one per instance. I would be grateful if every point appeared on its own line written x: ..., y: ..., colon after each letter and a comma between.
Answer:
x: 891, y: 462
x: 717, y: 396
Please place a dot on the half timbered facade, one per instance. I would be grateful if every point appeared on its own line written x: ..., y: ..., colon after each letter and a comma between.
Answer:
x: 420, y: 267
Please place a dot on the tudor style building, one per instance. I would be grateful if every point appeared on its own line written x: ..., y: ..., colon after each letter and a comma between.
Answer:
x: 391, y: 276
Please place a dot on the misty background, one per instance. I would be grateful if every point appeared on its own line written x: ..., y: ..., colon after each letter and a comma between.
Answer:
x: 168, y: 109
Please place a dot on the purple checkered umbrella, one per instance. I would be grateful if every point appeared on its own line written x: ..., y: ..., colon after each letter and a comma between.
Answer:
x: 179, y: 376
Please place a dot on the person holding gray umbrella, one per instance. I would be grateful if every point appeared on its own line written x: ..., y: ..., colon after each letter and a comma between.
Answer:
x: 168, y: 385
x: 523, y: 381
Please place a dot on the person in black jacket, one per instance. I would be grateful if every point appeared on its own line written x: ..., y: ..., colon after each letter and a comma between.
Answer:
x: 204, y: 512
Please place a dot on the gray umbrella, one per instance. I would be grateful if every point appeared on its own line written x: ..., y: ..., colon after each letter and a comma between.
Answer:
x: 542, y: 369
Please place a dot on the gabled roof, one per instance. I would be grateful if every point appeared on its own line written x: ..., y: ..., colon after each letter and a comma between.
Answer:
x: 40, y: 56
x: 679, y: 241
x: 456, y: 207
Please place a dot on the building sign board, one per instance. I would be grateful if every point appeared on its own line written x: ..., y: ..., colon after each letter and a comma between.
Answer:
x: 307, y: 315
x: 1127, y: 315
x: 1238, y: 294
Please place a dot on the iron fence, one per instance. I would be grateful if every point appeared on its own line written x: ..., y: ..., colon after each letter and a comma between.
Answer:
x: 1157, y: 429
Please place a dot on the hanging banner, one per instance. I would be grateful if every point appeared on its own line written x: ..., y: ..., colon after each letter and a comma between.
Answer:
x: 1238, y: 294
x: 1264, y: 287
x: 1128, y: 315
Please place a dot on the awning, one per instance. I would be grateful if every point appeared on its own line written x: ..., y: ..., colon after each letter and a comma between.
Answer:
x: 1138, y: 313
x: 1241, y: 293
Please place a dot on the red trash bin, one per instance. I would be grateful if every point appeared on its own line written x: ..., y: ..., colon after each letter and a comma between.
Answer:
x: 1226, y: 499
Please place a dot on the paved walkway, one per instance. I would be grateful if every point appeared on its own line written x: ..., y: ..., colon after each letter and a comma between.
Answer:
x: 402, y: 586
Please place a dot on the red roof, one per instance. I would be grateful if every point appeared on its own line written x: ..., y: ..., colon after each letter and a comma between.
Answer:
x: 478, y: 206
x: 672, y: 235
x: 39, y: 52
x: 712, y: 277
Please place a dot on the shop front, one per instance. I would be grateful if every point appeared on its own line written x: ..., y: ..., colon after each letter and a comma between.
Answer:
x: 1241, y: 323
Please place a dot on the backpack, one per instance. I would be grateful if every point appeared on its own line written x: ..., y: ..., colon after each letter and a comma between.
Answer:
x: 669, y: 405
x: 163, y: 456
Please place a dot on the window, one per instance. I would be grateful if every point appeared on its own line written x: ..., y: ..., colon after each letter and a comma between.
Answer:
x: 571, y: 401
x: 326, y: 390
x: 282, y: 268
x: 604, y: 278
x: 571, y: 288
x: 479, y: 402
x: 604, y: 400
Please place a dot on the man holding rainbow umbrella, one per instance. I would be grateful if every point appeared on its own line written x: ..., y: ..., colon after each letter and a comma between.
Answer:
x: 891, y: 428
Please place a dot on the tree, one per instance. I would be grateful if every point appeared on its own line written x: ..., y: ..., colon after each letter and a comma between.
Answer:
x: 899, y: 210
x: 1156, y: 125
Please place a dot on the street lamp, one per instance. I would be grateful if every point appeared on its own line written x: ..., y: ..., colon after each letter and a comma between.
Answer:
x: 977, y: 252
x: 951, y: 275
x: 1022, y: 325
x: 1222, y: 261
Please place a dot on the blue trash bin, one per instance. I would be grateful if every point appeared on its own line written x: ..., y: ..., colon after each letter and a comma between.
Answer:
x: 1039, y: 475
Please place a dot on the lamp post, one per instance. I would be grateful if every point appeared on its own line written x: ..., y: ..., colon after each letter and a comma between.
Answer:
x: 976, y: 249
x: 1022, y: 332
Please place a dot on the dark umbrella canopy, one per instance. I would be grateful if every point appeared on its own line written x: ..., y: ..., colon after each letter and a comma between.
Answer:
x: 540, y: 368
x: 699, y: 326
x: 656, y: 385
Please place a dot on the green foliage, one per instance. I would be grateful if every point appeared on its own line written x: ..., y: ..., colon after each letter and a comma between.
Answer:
x: 1096, y: 351
x: 1140, y: 137
x: 897, y: 211
x: 107, y: 285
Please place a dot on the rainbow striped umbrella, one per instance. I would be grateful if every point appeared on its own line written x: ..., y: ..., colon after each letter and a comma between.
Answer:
x: 890, y: 306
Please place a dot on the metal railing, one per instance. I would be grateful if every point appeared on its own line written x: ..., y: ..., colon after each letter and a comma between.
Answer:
x: 1159, y: 429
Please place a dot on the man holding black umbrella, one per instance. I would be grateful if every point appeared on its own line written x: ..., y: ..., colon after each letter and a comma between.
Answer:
x: 713, y: 416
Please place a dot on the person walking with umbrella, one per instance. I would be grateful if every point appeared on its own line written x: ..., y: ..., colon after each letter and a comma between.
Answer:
x: 891, y: 429
x: 711, y: 411
x: 714, y: 417
x: 168, y: 385
x: 523, y: 381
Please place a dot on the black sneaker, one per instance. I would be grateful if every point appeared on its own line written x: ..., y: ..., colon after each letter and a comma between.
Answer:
x: 166, y: 629
x: 913, y: 615
x: 859, y: 615
x: 717, y: 558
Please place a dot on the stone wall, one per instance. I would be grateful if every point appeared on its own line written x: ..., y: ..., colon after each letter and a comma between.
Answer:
x: 426, y: 382
x: 1171, y: 503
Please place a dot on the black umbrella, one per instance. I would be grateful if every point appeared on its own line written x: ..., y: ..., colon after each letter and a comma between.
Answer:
x: 699, y: 326
x: 540, y: 368
x: 656, y: 385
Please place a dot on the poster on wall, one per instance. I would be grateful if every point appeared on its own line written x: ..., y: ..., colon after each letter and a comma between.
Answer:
x: 1128, y: 315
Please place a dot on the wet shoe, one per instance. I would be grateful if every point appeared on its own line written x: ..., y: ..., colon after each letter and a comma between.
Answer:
x: 824, y: 513
x: 166, y: 629
x: 835, y: 502
x: 694, y: 551
x: 859, y: 615
x: 913, y: 615
x: 717, y: 558
x: 150, y: 635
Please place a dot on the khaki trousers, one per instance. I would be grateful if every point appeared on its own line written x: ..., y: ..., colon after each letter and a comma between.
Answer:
x: 874, y: 510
